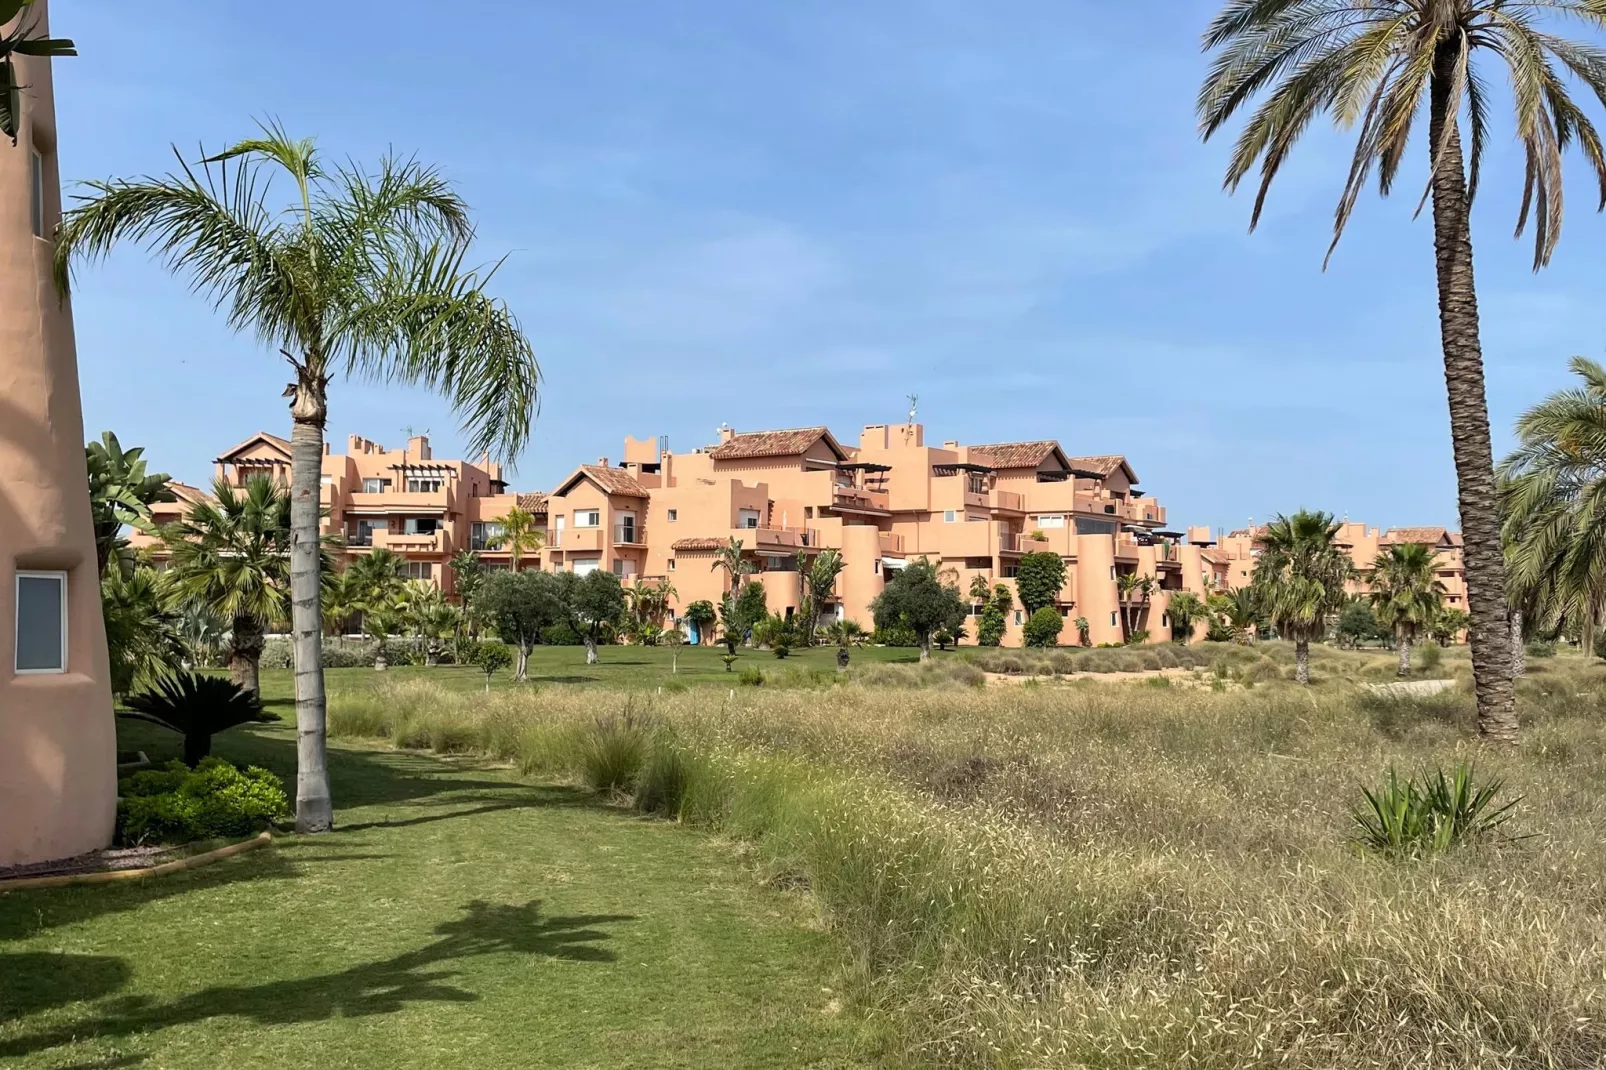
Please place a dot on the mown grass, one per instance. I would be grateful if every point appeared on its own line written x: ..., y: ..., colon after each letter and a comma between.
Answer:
x: 457, y: 917
x: 1129, y: 877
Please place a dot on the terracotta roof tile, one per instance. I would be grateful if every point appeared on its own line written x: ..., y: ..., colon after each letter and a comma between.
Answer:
x: 1013, y: 454
x: 1429, y: 536
x: 1104, y: 464
x: 272, y: 440
x: 533, y: 503
x: 707, y: 543
x: 611, y: 480
x: 788, y: 443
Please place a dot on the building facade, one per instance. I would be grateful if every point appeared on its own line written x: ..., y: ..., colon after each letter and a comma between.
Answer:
x: 407, y: 501
x: 58, y: 749
x: 1234, y: 554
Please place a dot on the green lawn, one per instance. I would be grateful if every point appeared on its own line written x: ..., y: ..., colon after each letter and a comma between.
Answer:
x: 619, y: 667
x: 458, y: 917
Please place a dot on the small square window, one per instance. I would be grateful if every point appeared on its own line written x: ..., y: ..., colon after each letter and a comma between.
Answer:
x: 674, y: 515
x: 949, y: 516
x: 41, y: 622
x: 671, y: 564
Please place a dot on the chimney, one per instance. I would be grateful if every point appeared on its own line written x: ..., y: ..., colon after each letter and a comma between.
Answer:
x: 950, y: 445
x: 726, y: 434
x: 602, y: 462
x: 418, y: 447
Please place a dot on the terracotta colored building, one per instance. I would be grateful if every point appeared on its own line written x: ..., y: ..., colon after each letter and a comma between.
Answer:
x: 58, y: 750
x: 1235, y: 555
x: 408, y: 501
x: 882, y: 501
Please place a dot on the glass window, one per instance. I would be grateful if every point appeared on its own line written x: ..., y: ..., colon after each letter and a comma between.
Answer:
x: 949, y: 516
x: 423, y: 486
x: 747, y: 518
x: 674, y: 515
x: 1055, y: 521
x: 588, y: 518
x: 671, y: 564
x: 374, y: 486
x: 1112, y: 620
x: 36, y: 193
x: 41, y: 622
x: 418, y: 570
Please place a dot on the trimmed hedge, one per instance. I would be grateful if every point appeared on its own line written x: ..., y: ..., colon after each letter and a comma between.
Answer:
x: 215, y: 800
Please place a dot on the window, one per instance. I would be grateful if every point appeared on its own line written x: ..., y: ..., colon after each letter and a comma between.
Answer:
x: 36, y: 193
x: 481, y: 534
x: 418, y: 570
x: 326, y: 480
x: 977, y: 484
x: 375, y: 486
x: 415, y: 525
x: 422, y: 486
x: 877, y: 569
x: 1165, y: 620
x: 1094, y: 527
x: 1017, y: 616
x: 1045, y: 522
x: 41, y: 622
x: 674, y: 515
x: 1112, y: 572
x: 671, y: 564
x: 747, y: 518
x: 585, y: 565
x: 949, y: 516
x: 1112, y: 620
x: 588, y: 518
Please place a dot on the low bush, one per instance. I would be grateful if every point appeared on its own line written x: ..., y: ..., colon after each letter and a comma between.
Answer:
x: 278, y: 653
x: 751, y: 677
x: 1429, y: 656
x: 215, y: 800
x: 897, y: 636
x: 1540, y: 648
x: 1043, y: 628
x: 560, y: 635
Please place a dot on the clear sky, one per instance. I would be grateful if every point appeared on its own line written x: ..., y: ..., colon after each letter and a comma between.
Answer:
x: 774, y: 215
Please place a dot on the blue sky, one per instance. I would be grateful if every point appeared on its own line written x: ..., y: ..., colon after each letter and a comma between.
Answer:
x: 782, y: 214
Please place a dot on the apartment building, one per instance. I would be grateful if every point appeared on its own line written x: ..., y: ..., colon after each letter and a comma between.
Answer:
x: 408, y: 501
x: 882, y: 501
x: 1235, y: 553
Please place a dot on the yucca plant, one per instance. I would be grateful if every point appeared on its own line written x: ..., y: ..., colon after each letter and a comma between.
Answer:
x: 197, y: 706
x: 1408, y: 819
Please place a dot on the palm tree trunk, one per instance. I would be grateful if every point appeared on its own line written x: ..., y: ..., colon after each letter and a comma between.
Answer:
x: 1469, y: 417
x: 1302, y: 660
x: 314, y: 809
x: 245, y: 654
x: 1405, y: 656
x: 1519, y: 653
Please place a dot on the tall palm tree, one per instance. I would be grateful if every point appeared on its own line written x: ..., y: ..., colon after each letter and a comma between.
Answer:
x: 1299, y: 579
x: 1239, y: 608
x: 341, y: 600
x: 362, y: 273
x: 821, y: 581
x: 1405, y: 596
x: 519, y: 536
x: 232, y: 555
x: 21, y: 40
x: 1184, y: 608
x: 1375, y: 63
x: 120, y: 495
x: 729, y: 557
x: 1135, y: 591
x: 468, y: 577
x: 1553, y: 492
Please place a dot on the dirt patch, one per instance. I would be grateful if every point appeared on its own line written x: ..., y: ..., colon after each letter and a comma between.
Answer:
x: 1178, y: 676
x: 108, y: 860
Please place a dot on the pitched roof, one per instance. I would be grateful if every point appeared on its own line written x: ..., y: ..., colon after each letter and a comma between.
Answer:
x: 1105, y: 465
x: 706, y: 543
x: 186, y: 493
x: 611, y: 480
x: 1429, y: 536
x: 282, y: 445
x: 533, y: 503
x: 788, y: 443
x: 1017, y: 454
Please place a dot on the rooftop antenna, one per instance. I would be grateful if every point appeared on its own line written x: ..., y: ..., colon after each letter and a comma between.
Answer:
x: 914, y: 406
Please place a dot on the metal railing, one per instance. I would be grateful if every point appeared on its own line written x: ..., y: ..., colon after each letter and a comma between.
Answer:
x: 629, y: 534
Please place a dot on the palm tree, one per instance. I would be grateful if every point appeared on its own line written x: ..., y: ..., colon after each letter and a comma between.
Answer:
x: 1405, y: 595
x: 648, y: 605
x: 232, y: 555
x: 21, y: 40
x: 702, y: 615
x: 729, y: 558
x: 363, y: 274
x: 821, y: 581
x: 341, y: 600
x: 143, y: 639
x: 468, y: 577
x: 1239, y: 609
x: 1299, y: 579
x: 1184, y: 608
x: 1134, y: 591
x: 430, y: 618
x: 381, y: 596
x: 1553, y: 492
x: 203, y: 634
x: 120, y: 494
x: 1375, y: 62
x: 519, y: 536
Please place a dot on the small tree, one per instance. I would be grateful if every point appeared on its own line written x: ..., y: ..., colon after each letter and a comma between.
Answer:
x: 1357, y: 624
x: 593, y: 604
x: 743, y: 612
x: 917, y: 601
x: 1405, y: 595
x: 1184, y: 608
x: 518, y: 605
x: 672, y: 638
x: 1043, y: 627
x: 1040, y: 579
x: 702, y: 614
x: 492, y: 658
x: 821, y: 581
x: 1084, y: 631
x: 468, y: 577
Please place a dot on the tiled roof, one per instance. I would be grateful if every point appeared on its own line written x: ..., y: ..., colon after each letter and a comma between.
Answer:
x: 272, y: 440
x: 611, y: 480
x: 789, y: 443
x: 1105, y: 465
x: 1420, y: 536
x: 708, y: 543
x: 533, y: 503
x: 1013, y: 454
x: 186, y: 493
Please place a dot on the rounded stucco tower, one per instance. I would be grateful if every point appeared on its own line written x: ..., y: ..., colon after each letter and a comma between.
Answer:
x: 58, y: 748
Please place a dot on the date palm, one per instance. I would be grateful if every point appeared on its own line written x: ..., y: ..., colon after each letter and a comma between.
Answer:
x: 231, y: 554
x: 1184, y: 608
x: 820, y: 579
x: 1405, y: 596
x: 361, y: 273
x: 1299, y: 579
x: 1553, y: 489
x: 729, y: 557
x: 520, y: 535
x: 1372, y: 65
x: 22, y: 39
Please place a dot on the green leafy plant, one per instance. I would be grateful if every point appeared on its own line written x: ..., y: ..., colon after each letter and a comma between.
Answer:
x: 729, y: 660
x: 1415, y: 818
x: 1428, y: 657
x: 197, y: 707
x: 1043, y: 627
x: 752, y: 677
x: 491, y: 659
x: 215, y: 800
x: 612, y: 751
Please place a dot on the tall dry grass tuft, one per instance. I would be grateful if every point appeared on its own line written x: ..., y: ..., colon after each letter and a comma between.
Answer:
x: 1125, y: 876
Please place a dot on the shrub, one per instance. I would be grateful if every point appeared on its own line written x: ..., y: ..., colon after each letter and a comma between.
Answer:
x: 560, y: 634
x: 661, y: 784
x: 214, y: 800
x: 752, y: 677
x: 729, y: 660
x: 990, y: 627
x: 1415, y: 820
x: 1138, y: 638
x: 1429, y: 655
x: 1043, y: 627
x: 781, y: 650
x: 611, y: 753
x: 1541, y: 648
x: 1063, y: 662
x: 897, y: 635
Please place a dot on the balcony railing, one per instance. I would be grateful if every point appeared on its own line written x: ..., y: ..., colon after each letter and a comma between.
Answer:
x: 629, y: 534
x: 583, y: 539
x: 855, y: 498
x: 890, y: 542
x: 415, y: 542
x: 1167, y: 551
x: 1008, y: 499
x: 1009, y: 543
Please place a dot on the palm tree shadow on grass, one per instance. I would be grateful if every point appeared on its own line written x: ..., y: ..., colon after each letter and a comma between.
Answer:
x: 372, y: 988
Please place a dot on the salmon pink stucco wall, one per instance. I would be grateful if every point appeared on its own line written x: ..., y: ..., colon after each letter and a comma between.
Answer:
x: 58, y: 750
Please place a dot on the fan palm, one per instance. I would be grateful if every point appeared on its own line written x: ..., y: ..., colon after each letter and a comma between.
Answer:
x: 341, y: 600
x: 1553, y: 491
x: 520, y: 535
x: 232, y: 555
x: 1299, y: 579
x: 1239, y: 609
x: 1405, y: 596
x: 143, y: 640
x: 361, y: 273
x: 1184, y: 608
x: 1374, y: 63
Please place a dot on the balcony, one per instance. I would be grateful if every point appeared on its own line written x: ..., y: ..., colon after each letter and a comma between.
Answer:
x: 859, y: 499
x: 1008, y: 500
x: 1167, y: 551
x: 629, y: 535
x: 976, y: 499
x: 792, y: 538
x: 1009, y: 543
x: 438, y: 501
x: 583, y: 539
x: 416, y: 543
x: 890, y: 542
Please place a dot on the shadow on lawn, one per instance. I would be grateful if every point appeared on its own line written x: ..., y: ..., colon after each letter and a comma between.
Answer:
x: 373, y: 988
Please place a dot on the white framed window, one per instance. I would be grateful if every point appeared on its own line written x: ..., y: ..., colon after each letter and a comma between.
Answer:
x: 374, y: 486
x: 41, y: 622
x: 674, y: 515
x: 949, y: 516
x: 1017, y: 616
x: 671, y: 564
x: 747, y: 518
x: 588, y: 518
x: 1055, y: 521
x: 584, y: 565
x: 423, y: 486
x: 418, y: 570
x: 36, y: 193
